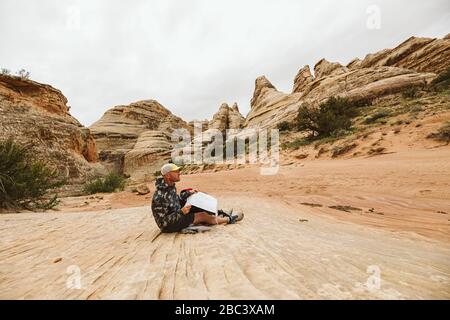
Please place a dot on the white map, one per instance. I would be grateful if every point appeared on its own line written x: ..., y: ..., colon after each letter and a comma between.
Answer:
x: 203, y: 201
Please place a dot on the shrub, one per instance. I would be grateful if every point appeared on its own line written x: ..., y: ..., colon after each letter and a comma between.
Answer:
x: 443, y: 134
x: 442, y: 81
x: 5, y: 71
x: 330, y: 117
x: 376, y: 116
x: 410, y: 92
x: 284, y: 126
x: 25, y: 182
x: 24, y: 74
x: 107, y: 184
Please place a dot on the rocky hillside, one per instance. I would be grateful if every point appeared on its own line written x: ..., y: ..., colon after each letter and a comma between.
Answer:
x: 413, y: 63
x: 135, y: 139
x: 37, y: 115
x: 418, y: 54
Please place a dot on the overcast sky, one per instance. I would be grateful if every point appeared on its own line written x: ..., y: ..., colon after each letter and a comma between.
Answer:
x: 193, y: 55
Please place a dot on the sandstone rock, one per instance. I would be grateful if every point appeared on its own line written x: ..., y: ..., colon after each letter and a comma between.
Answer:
x: 227, y: 118
x: 262, y: 85
x: 302, y: 79
x: 325, y: 68
x: 202, y: 123
x: 386, y: 72
x: 365, y: 83
x: 151, y: 151
x: 418, y: 54
x: 355, y: 63
x: 36, y: 114
x: 135, y: 139
x: 143, y: 190
x: 274, y: 107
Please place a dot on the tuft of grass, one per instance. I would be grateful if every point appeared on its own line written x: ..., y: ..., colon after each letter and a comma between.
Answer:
x: 108, y: 184
x: 410, y: 92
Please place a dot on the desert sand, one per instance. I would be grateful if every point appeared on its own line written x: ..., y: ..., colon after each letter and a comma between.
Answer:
x: 291, y: 244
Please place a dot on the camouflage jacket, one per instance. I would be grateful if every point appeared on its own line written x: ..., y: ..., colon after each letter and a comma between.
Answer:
x: 167, y: 204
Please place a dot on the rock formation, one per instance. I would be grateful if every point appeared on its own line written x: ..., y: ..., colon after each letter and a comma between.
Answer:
x: 418, y: 54
x: 135, y: 139
x: 227, y: 118
x: 270, y: 106
x: 302, y: 79
x: 414, y: 63
x: 36, y: 114
x: 325, y: 68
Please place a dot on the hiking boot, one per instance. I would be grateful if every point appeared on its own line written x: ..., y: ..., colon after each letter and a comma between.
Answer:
x: 232, y: 216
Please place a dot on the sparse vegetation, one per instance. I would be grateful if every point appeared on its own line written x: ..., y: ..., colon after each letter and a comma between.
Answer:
x: 340, y: 150
x: 110, y: 183
x: 377, y: 116
x: 24, y: 181
x: 410, y: 92
x: 441, y: 82
x: 5, y: 71
x: 24, y: 74
x: 443, y: 134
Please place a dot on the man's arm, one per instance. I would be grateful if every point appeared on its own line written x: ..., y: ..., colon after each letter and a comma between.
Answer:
x: 185, y: 194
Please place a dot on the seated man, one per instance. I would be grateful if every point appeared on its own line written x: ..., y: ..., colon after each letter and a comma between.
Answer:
x: 167, y: 205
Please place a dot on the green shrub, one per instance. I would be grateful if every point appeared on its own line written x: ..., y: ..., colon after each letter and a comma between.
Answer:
x: 330, y: 117
x: 24, y: 182
x: 284, y: 126
x: 107, y: 184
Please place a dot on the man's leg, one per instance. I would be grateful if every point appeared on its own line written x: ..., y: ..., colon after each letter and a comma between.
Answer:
x: 202, y: 217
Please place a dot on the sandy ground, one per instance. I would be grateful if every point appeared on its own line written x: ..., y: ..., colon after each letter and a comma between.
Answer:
x: 291, y: 244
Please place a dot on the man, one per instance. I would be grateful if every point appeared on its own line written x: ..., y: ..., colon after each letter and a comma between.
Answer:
x: 168, y: 210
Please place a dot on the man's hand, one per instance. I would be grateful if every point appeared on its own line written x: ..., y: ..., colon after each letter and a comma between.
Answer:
x: 186, y: 210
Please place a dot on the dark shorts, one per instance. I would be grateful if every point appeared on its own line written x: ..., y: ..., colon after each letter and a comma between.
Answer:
x: 184, y: 222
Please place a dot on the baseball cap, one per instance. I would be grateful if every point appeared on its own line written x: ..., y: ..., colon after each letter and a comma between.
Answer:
x: 169, y: 168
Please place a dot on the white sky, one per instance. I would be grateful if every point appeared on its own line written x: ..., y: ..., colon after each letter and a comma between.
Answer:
x: 193, y: 55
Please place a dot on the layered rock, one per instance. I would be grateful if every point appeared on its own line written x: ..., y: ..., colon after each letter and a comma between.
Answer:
x: 37, y: 115
x: 134, y: 139
x: 262, y: 86
x: 302, y: 79
x: 418, y: 54
x: 227, y: 118
x: 325, y: 68
x: 414, y: 63
x: 270, y: 106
